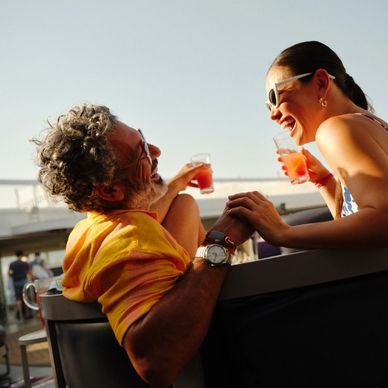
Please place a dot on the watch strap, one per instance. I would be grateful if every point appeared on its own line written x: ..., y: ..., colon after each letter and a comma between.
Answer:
x: 220, y: 238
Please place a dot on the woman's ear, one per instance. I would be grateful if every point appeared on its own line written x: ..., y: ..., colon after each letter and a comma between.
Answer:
x: 323, y: 81
x: 113, y: 192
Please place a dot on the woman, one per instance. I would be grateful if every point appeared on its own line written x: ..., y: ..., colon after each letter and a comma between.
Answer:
x: 311, y: 95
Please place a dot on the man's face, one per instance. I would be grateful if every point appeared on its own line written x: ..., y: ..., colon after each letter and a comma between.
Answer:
x: 138, y: 170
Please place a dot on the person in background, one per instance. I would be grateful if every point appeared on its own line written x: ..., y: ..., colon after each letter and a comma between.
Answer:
x: 311, y: 95
x: 137, y: 251
x: 19, y: 272
x: 39, y: 268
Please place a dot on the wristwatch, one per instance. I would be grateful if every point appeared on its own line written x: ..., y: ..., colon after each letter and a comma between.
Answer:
x: 214, y: 254
x: 217, y: 248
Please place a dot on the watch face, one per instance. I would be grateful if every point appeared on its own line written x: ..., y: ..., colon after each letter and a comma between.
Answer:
x: 216, y: 254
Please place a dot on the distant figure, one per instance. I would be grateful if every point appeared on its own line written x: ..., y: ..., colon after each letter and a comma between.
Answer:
x: 39, y: 268
x: 19, y: 271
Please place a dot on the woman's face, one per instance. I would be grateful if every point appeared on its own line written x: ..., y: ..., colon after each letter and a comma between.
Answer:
x: 297, y: 104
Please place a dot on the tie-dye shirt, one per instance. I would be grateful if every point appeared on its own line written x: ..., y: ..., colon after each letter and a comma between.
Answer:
x: 125, y: 260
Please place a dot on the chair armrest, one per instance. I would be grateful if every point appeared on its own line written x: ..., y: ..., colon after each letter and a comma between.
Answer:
x: 58, y: 308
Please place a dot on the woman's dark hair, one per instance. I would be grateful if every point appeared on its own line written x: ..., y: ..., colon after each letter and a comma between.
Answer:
x: 307, y: 57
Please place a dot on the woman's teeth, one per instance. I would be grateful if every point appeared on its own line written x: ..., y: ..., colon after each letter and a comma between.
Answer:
x: 288, y: 124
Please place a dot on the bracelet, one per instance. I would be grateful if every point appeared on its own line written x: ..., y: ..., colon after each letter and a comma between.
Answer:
x: 323, y: 181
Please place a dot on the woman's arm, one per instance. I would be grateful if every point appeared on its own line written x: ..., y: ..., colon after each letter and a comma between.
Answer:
x: 357, y: 154
x: 323, y: 180
x: 328, y: 189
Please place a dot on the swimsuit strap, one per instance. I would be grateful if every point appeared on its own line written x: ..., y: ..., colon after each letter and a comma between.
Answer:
x: 376, y: 120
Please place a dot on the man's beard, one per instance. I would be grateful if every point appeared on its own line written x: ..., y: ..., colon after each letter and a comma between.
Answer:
x: 144, y: 195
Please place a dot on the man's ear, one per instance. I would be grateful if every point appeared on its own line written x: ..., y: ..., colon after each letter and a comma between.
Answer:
x: 113, y: 192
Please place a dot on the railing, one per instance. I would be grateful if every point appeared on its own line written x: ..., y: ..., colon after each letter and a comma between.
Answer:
x: 25, y: 195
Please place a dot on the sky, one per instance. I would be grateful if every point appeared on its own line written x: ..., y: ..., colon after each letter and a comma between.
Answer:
x: 189, y: 73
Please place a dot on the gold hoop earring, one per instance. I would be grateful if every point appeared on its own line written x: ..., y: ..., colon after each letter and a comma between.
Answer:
x: 323, y: 102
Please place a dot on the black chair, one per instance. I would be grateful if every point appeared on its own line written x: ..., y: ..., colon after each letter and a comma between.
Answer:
x: 4, y: 353
x: 84, y: 352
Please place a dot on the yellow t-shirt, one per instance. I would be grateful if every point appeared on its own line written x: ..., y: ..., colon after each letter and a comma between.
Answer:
x: 125, y: 260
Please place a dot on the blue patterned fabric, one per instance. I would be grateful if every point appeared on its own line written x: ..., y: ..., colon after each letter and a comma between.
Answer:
x: 349, y: 205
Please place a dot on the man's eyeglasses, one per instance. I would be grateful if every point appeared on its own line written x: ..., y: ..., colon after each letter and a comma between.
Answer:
x: 273, y: 95
x: 146, y: 149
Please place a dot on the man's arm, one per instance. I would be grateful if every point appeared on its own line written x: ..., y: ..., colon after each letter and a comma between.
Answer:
x: 183, y: 221
x: 164, y: 340
x: 174, y: 186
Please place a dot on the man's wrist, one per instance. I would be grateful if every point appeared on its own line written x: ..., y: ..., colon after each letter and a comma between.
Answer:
x: 220, y: 238
x: 173, y: 186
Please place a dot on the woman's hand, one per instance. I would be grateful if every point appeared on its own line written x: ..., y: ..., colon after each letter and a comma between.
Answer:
x: 317, y: 171
x: 254, y: 208
x: 185, y: 176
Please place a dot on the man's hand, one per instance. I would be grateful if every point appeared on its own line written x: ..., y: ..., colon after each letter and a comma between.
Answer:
x: 237, y: 229
x: 174, y: 186
x: 184, y: 177
x: 255, y: 209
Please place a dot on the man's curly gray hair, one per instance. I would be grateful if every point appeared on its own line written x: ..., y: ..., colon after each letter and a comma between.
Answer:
x: 75, y: 156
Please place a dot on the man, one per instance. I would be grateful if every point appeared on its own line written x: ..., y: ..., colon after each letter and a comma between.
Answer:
x: 39, y: 268
x: 19, y: 271
x: 138, y: 265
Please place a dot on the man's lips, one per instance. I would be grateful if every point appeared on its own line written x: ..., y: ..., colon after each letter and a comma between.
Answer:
x: 154, y: 167
x: 154, y: 172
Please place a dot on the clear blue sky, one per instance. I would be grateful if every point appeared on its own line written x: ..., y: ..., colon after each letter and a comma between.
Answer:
x: 189, y: 73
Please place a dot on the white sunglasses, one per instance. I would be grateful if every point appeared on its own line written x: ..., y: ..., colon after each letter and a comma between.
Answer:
x: 273, y: 96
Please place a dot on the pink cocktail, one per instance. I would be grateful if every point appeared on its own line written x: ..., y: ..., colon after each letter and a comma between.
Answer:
x: 296, y: 167
x: 204, y: 176
x: 292, y: 157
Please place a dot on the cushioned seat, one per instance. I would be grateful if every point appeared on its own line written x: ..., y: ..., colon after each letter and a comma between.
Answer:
x: 83, y: 348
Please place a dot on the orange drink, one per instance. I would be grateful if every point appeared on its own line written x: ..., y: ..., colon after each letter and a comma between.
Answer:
x: 295, y: 163
x: 205, y: 179
x: 293, y: 159
x: 204, y: 176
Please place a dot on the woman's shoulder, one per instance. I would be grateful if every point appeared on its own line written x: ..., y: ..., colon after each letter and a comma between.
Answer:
x: 354, y: 120
x: 343, y: 120
x: 346, y: 134
x: 344, y: 127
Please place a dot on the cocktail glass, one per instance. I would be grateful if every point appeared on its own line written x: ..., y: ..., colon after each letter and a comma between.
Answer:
x: 293, y: 159
x: 204, y: 176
